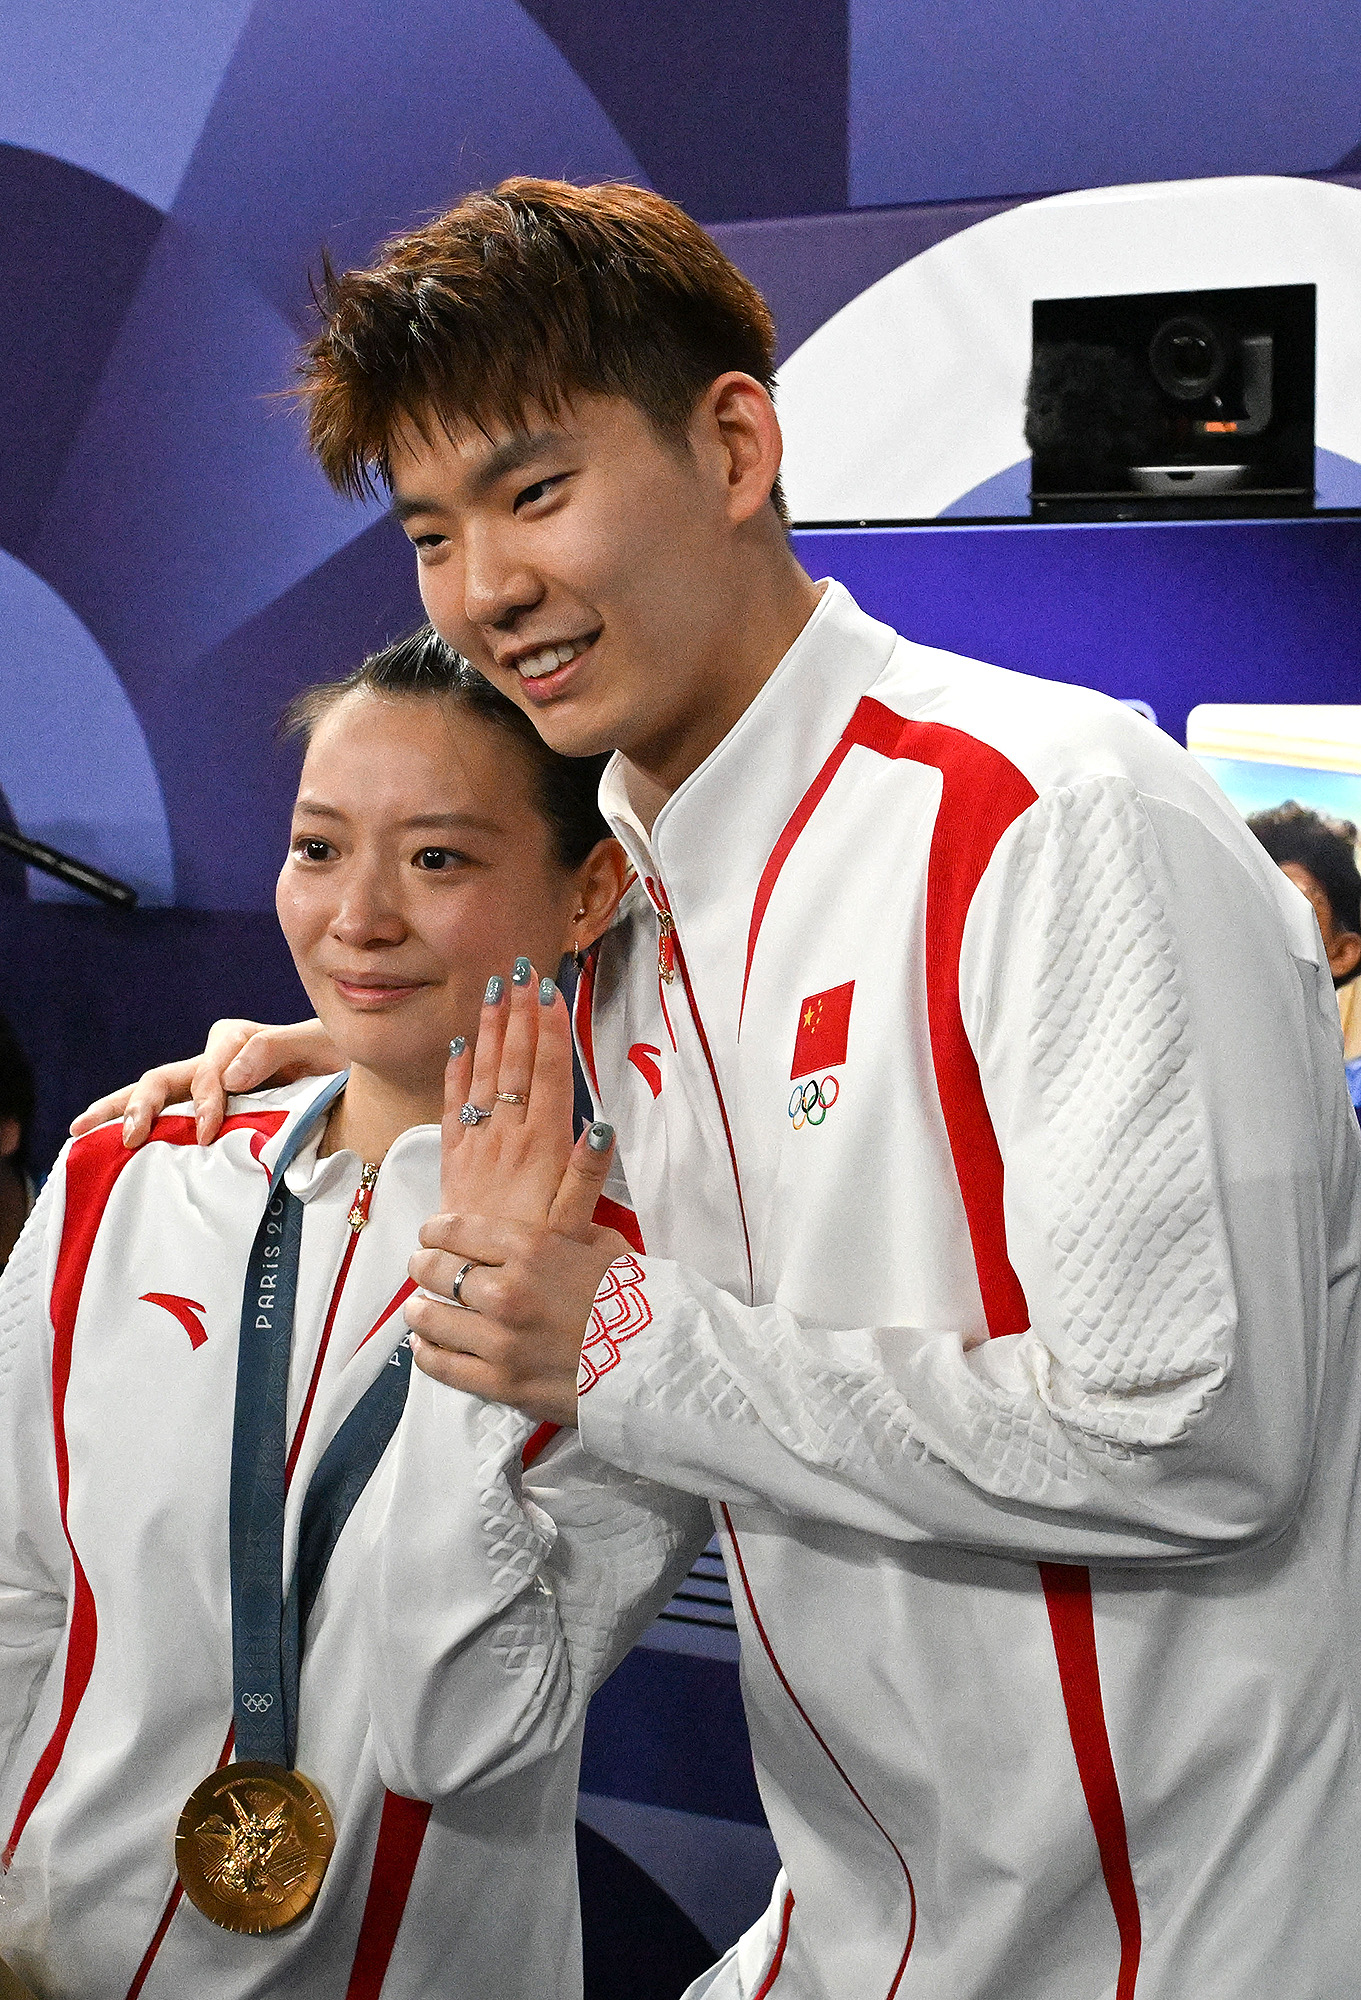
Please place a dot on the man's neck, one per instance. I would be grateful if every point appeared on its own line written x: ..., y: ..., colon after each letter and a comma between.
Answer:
x: 374, y: 1111
x: 775, y: 607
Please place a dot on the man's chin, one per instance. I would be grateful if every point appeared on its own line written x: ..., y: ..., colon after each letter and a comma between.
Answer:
x: 573, y: 729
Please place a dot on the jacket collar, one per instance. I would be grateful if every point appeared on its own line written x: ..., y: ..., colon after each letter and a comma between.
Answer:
x: 717, y: 828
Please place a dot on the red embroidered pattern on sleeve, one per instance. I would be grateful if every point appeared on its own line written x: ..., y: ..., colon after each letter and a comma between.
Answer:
x: 620, y: 1311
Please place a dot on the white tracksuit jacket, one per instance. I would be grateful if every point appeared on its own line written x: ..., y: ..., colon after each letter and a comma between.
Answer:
x: 464, y: 1619
x: 1000, y: 1197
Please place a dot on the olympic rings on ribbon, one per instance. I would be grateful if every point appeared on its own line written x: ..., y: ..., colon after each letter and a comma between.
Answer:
x: 256, y: 1704
x: 809, y: 1102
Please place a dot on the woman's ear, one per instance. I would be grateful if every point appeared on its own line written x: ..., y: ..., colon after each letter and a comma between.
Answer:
x: 11, y: 1132
x: 1344, y: 954
x: 600, y: 883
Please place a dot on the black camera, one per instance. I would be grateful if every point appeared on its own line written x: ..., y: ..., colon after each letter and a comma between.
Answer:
x: 1153, y: 402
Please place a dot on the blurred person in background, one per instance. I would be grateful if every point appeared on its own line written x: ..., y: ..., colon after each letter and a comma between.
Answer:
x: 16, y: 1117
x: 1319, y: 856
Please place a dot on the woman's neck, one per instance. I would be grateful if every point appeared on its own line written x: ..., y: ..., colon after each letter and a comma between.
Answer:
x: 375, y: 1110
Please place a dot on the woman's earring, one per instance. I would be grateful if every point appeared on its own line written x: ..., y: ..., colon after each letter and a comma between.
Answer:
x: 576, y: 948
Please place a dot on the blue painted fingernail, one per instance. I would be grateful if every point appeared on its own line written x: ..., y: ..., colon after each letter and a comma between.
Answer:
x: 600, y: 1138
x: 457, y: 1046
x: 496, y: 986
x: 548, y: 992
x: 520, y: 971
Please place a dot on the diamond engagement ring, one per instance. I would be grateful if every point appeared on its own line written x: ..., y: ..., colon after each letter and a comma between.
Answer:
x: 473, y: 1114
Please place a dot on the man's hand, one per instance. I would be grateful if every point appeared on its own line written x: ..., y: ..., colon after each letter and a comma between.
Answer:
x: 240, y: 1056
x: 518, y: 1199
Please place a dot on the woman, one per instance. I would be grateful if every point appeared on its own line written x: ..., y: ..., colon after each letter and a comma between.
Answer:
x: 294, y: 1644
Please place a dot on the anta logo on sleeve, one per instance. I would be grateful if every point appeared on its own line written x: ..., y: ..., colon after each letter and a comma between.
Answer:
x: 820, y: 1043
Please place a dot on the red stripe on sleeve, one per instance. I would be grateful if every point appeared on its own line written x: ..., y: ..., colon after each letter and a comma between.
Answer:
x: 613, y: 1215
x: 1068, y: 1599
x: 536, y: 1441
x: 400, y: 1833
x: 92, y: 1168
x: 777, y: 1956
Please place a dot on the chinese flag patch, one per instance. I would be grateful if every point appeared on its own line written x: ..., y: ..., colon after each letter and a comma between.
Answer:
x: 824, y: 1024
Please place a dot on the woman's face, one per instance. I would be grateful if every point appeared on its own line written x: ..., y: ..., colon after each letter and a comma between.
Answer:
x: 418, y: 866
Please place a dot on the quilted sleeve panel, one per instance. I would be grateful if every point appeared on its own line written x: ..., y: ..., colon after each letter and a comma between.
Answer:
x: 1130, y: 994
x: 1143, y: 1295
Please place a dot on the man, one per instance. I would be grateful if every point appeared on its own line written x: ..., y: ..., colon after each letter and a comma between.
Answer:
x: 1319, y: 856
x: 1005, y: 1329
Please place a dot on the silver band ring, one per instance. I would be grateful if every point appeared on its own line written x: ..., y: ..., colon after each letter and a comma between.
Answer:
x: 473, y: 1114
x: 510, y: 1097
x: 456, y: 1289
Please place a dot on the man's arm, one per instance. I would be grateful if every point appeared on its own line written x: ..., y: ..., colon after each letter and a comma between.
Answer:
x: 239, y: 1056
x: 1155, y: 1064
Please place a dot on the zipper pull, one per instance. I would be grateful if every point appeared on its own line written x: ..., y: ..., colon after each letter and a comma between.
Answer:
x: 363, y: 1195
x: 666, y: 946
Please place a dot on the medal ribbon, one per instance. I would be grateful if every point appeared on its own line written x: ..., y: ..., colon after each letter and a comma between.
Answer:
x: 267, y: 1623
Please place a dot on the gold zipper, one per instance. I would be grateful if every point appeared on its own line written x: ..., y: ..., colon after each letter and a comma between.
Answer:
x: 363, y: 1195
x: 666, y: 946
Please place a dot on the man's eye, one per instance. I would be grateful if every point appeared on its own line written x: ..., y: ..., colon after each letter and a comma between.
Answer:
x: 528, y: 495
x: 313, y: 850
x: 435, y: 858
x: 430, y: 541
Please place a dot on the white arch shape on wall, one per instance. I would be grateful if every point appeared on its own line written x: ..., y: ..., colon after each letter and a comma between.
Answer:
x: 914, y: 393
x: 74, y: 763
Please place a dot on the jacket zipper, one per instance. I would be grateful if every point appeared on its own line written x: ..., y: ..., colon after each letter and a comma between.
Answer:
x: 670, y: 959
x: 357, y: 1219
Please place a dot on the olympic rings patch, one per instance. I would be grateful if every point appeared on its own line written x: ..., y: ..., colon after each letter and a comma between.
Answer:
x: 256, y: 1704
x: 810, y: 1102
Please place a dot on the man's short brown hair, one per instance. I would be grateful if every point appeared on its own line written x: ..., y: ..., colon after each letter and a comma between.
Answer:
x: 518, y: 298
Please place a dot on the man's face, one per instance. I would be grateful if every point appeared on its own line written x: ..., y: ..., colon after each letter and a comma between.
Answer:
x: 584, y: 564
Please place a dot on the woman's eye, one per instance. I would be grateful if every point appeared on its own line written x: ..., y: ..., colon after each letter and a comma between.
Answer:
x: 313, y: 850
x: 435, y: 858
x: 431, y: 541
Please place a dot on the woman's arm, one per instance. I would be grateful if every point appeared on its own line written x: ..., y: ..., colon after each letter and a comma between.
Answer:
x: 500, y: 1594
x: 34, y: 1558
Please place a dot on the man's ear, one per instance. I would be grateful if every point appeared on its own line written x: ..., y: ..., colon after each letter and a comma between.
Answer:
x: 1345, y: 955
x: 737, y: 416
x: 601, y: 881
x: 11, y: 1132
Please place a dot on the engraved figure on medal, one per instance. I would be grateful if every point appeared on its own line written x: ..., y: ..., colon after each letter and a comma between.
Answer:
x: 252, y: 1847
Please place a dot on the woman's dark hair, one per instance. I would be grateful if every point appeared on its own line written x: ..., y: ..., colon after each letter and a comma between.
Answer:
x: 16, y: 1090
x: 1326, y: 847
x: 422, y: 664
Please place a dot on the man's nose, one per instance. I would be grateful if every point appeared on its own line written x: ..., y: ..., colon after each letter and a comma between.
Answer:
x: 498, y: 585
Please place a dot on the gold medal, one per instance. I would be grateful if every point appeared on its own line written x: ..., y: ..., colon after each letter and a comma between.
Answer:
x: 252, y: 1846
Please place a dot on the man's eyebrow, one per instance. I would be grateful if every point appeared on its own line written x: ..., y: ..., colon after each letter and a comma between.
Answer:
x: 503, y: 458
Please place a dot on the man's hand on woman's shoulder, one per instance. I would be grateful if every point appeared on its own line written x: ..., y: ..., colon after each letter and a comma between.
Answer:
x: 239, y: 1056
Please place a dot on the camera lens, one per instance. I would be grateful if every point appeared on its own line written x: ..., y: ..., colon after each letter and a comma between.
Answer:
x: 1187, y: 357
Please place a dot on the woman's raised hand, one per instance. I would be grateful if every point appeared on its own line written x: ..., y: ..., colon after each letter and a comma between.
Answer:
x: 510, y: 1161
x: 239, y: 1056
x: 516, y: 1242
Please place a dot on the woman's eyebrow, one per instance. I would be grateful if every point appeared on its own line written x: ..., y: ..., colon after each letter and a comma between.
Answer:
x: 475, y: 822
